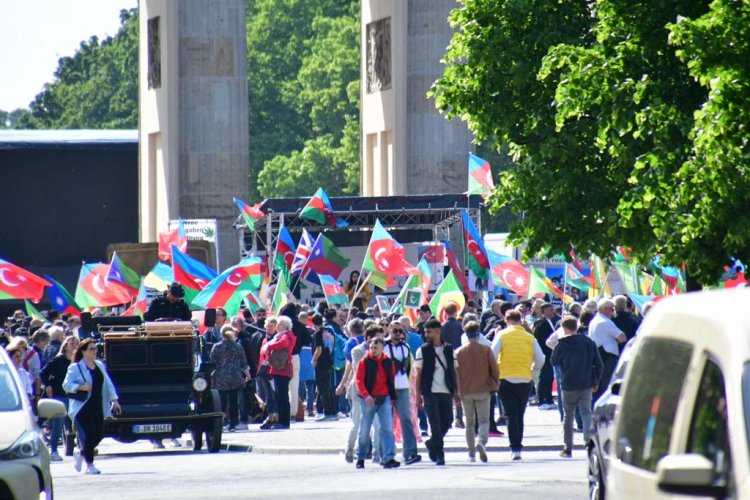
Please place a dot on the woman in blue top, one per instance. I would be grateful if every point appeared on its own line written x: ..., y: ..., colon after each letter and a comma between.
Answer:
x: 87, y: 374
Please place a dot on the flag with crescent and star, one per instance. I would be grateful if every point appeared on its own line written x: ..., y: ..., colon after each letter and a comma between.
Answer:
x: 229, y: 288
x: 250, y: 213
x: 433, y: 254
x: 284, y: 254
x: 333, y: 290
x: 193, y: 274
x: 119, y: 272
x: 480, y: 177
x: 476, y: 253
x: 174, y: 237
x: 18, y: 283
x: 320, y: 210
x: 508, y: 273
x: 455, y: 266
x: 61, y: 299
x: 385, y: 255
x: 94, y: 291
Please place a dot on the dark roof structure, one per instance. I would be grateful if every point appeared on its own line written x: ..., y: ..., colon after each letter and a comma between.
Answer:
x: 68, y: 139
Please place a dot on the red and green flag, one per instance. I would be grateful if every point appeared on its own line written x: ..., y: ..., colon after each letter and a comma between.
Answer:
x: 600, y: 284
x: 508, y: 273
x: 94, y: 291
x: 284, y: 253
x: 480, y: 177
x: 250, y: 213
x: 539, y: 284
x: 60, y: 299
x: 229, y: 288
x: 385, y: 255
x: 140, y: 305
x: 448, y: 292
x: 575, y: 278
x: 414, y: 292
x: 659, y: 287
x: 320, y: 210
x: 18, y: 283
x: 333, y: 290
x: 455, y: 266
x: 477, y: 258
x: 174, y: 237
x: 120, y: 273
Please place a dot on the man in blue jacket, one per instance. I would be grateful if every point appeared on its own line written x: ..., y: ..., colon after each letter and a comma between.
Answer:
x: 581, y: 368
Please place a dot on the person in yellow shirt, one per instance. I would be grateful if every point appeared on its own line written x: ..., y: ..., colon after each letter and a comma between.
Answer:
x: 519, y: 360
x: 363, y: 298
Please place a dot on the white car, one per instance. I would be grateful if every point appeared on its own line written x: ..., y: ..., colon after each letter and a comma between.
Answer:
x: 24, y: 459
x: 681, y: 429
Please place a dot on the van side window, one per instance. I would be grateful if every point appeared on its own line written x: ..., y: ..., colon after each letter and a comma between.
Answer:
x: 709, y: 430
x: 650, y: 398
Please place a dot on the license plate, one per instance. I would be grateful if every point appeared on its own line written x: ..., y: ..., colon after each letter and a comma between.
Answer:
x: 151, y: 428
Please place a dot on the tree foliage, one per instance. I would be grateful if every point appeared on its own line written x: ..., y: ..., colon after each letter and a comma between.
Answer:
x: 625, y: 120
x: 97, y: 87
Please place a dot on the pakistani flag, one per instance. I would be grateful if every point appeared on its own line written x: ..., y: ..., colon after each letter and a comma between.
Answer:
x: 448, y: 291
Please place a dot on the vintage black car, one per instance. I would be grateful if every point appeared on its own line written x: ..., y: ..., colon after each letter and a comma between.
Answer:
x: 600, y: 443
x: 161, y: 393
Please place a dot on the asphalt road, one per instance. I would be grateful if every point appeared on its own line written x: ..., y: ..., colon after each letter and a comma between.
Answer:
x: 134, y: 471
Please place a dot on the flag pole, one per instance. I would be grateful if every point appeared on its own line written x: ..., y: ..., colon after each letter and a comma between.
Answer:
x: 358, y: 288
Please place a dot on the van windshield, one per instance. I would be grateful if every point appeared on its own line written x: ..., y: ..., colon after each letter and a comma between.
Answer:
x: 10, y: 398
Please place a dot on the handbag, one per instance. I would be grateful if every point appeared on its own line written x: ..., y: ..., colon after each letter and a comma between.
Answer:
x: 263, y: 370
x: 78, y: 395
x: 278, y: 359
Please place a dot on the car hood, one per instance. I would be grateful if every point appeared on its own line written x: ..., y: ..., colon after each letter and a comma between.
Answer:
x: 12, y: 425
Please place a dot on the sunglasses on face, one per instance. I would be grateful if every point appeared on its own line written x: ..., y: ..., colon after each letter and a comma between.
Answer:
x: 397, y: 330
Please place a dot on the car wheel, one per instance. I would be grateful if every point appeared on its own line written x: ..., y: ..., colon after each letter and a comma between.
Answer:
x: 213, y: 435
x: 596, y: 478
x: 197, y: 433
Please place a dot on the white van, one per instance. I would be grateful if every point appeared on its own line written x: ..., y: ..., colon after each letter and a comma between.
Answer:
x: 682, y: 428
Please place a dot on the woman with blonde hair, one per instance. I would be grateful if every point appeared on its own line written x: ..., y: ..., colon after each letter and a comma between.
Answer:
x: 231, y: 373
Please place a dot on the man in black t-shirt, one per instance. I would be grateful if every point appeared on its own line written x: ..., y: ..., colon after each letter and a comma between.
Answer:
x: 322, y: 361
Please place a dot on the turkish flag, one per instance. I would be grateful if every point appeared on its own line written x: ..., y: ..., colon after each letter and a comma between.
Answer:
x: 433, y: 254
x: 513, y: 276
x: 106, y: 293
x: 169, y: 238
x: 18, y: 283
x: 388, y: 257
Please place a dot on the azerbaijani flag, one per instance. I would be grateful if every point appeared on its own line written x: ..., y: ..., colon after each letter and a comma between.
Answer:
x: 18, y: 283
x: 61, y: 299
x: 33, y: 311
x: 539, y: 284
x: 229, y: 288
x: 599, y: 273
x: 385, y: 255
x: 333, y: 290
x: 480, y: 177
x: 250, y: 214
x: 448, y: 291
x: 160, y: 277
x: 659, y: 286
x: 139, y: 307
x: 119, y: 272
x: 174, y: 237
x: 320, y: 210
x: 575, y: 278
x: 94, y: 291
x: 381, y: 280
x: 455, y: 266
x: 193, y: 274
x: 284, y: 253
x: 477, y: 253
x: 508, y: 273
x: 280, y: 295
x: 325, y: 258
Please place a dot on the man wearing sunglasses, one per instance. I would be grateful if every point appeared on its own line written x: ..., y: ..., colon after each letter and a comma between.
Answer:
x: 399, y: 352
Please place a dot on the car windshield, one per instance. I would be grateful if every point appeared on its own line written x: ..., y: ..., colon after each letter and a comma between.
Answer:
x: 10, y: 398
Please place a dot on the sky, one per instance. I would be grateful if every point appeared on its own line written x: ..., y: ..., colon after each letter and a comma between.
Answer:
x: 34, y: 34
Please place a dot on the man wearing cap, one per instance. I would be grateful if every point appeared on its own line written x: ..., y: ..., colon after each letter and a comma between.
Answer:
x: 171, y: 305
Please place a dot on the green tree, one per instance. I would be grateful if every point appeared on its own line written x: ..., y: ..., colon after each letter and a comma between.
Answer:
x: 291, y: 109
x: 611, y: 122
x: 95, y: 88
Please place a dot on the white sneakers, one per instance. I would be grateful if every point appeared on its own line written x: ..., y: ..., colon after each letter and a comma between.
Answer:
x: 482, y: 452
x: 472, y: 458
x: 515, y: 455
x: 547, y: 407
x: 91, y: 469
x: 77, y: 460
x: 55, y: 457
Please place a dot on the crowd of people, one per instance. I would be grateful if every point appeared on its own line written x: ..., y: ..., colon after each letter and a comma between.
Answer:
x: 475, y: 370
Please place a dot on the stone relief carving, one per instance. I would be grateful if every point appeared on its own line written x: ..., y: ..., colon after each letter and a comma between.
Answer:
x: 154, y: 54
x: 378, y: 55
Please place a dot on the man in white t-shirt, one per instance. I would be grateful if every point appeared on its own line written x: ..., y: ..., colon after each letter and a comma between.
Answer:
x: 607, y: 338
x: 397, y: 349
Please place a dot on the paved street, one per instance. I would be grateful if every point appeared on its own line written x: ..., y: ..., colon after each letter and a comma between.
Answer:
x: 133, y: 472
x: 306, y: 462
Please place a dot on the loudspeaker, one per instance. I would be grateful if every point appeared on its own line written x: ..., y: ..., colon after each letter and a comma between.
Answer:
x: 209, y: 318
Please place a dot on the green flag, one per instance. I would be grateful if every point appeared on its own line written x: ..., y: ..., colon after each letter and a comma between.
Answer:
x: 280, y: 296
x: 449, y: 291
x: 33, y: 311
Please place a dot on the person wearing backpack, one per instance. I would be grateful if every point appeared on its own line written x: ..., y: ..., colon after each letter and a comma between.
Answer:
x: 281, y: 370
x: 322, y: 362
x: 335, y: 319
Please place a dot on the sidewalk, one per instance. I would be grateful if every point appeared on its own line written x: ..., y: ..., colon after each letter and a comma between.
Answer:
x: 542, y: 431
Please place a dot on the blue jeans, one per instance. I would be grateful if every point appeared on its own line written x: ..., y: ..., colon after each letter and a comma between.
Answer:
x: 56, y: 426
x: 384, y: 412
x: 403, y: 408
x: 307, y: 393
x: 560, y: 401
